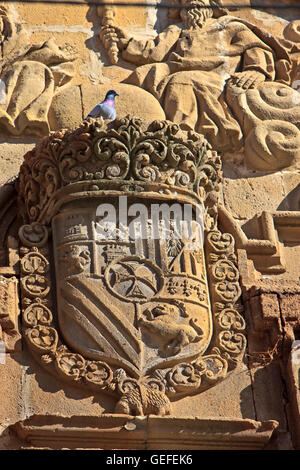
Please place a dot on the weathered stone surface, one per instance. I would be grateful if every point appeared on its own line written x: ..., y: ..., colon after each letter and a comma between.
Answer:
x: 242, y: 100
x: 147, y: 433
x: 29, y: 75
x: 9, y: 315
x: 138, y: 103
x: 28, y: 390
x: 291, y: 182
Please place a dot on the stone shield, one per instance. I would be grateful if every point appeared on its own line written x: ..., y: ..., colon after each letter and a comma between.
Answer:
x: 137, y: 302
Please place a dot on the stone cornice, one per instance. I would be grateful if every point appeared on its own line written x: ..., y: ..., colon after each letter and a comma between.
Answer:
x: 153, y: 432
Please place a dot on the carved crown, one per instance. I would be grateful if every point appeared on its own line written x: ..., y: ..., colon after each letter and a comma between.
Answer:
x: 124, y: 155
x: 175, y: 329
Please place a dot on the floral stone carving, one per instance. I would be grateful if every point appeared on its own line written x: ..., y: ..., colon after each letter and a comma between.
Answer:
x: 147, y: 318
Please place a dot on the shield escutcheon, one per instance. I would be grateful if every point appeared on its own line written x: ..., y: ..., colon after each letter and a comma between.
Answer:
x: 131, y: 312
x: 136, y: 302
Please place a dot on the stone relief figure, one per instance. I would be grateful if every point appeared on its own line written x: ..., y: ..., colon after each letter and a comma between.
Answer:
x: 222, y: 77
x: 29, y: 77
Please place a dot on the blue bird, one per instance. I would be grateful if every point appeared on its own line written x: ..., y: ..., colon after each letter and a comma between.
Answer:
x: 106, y: 108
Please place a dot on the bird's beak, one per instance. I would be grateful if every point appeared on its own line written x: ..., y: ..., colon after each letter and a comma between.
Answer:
x: 117, y: 94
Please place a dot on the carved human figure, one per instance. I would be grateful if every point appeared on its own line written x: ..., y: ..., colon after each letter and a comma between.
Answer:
x: 193, y: 70
x: 29, y: 77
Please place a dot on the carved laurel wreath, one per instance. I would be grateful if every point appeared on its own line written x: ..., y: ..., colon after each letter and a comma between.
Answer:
x: 125, y: 153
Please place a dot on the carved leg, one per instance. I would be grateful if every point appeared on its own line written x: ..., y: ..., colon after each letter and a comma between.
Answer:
x: 194, y: 101
x: 122, y: 407
x: 180, y: 104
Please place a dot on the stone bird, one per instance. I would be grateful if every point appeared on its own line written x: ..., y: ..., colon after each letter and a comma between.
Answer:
x: 106, y: 108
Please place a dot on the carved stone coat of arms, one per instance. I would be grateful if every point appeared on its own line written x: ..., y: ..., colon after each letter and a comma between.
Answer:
x: 128, y: 286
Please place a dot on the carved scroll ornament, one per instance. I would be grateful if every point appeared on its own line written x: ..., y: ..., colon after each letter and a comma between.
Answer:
x: 147, y: 320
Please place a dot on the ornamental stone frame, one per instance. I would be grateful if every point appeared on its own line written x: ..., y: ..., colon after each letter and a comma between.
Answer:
x: 145, y: 322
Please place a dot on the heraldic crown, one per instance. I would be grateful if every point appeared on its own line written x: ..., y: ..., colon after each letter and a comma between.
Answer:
x: 126, y: 155
x: 148, y: 320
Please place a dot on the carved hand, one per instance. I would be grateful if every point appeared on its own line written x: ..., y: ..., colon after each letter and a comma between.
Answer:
x: 247, y: 79
x: 114, y: 34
